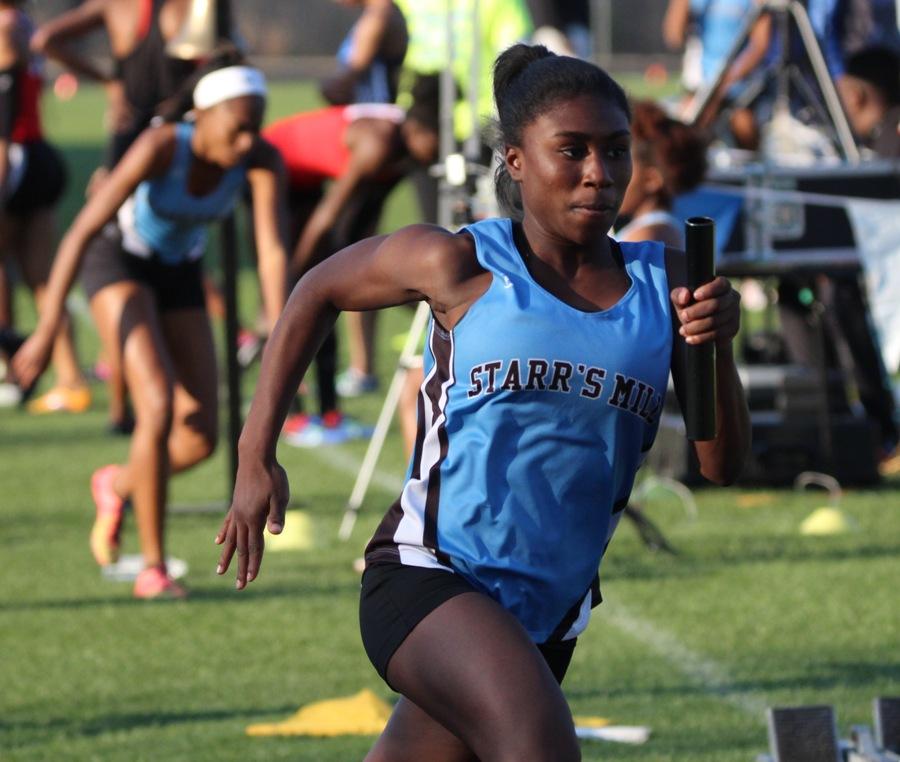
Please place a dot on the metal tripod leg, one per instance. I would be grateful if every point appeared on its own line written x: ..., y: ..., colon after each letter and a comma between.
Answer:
x: 364, y: 477
x: 842, y: 132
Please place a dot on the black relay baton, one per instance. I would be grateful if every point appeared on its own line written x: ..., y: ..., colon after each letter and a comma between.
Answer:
x: 700, y: 384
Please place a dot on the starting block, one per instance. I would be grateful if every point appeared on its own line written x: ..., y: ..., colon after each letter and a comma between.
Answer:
x: 809, y: 734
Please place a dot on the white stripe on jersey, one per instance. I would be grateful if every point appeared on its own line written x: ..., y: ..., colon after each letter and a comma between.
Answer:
x: 584, y: 616
x: 410, y: 534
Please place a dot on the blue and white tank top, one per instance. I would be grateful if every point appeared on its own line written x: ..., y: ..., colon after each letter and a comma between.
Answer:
x: 163, y: 218
x: 533, y: 418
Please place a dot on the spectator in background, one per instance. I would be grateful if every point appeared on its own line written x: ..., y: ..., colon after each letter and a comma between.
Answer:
x: 847, y: 27
x: 668, y: 158
x: 32, y: 180
x: 718, y: 24
x: 871, y: 94
x: 500, y: 23
x: 144, y: 74
x: 370, y: 56
x: 563, y: 25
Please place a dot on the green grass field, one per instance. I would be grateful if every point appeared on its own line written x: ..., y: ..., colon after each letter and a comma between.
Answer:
x: 749, y: 614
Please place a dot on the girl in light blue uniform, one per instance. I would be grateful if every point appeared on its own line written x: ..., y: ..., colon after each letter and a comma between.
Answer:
x: 525, y: 380
x: 140, y: 238
x: 548, y: 355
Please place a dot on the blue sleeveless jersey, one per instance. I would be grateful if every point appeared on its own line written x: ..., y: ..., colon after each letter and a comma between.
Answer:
x: 162, y: 218
x: 533, y: 418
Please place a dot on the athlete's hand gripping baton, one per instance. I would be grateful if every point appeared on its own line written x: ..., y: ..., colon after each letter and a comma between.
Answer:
x: 700, y: 384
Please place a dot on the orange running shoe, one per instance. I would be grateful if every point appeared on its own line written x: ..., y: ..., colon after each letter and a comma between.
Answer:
x: 154, y: 583
x: 62, y: 399
x: 108, y: 521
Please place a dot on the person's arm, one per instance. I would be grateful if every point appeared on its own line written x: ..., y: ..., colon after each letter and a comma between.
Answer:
x: 753, y: 54
x: 368, y: 39
x: 375, y: 273
x: 369, y: 154
x: 268, y: 188
x: 150, y: 154
x: 674, y: 26
x: 53, y: 38
x: 713, y: 315
x: 748, y: 60
x: 368, y: 33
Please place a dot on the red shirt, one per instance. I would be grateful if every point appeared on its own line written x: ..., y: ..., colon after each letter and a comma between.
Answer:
x: 27, y: 127
x: 312, y: 145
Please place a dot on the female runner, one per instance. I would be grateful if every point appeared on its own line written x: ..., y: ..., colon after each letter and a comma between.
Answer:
x: 546, y: 364
x: 142, y: 274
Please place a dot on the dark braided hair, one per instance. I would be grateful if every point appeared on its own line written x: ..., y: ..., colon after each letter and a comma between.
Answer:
x: 528, y: 81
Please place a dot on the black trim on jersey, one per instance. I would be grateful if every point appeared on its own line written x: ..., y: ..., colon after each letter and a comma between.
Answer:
x: 382, y: 546
x: 442, y: 351
x: 416, y: 472
x: 571, y: 616
x: 596, y: 595
x: 619, y: 505
x: 440, y: 373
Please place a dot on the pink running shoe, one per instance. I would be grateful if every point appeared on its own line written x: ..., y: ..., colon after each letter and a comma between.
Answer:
x: 154, y: 583
x: 108, y: 522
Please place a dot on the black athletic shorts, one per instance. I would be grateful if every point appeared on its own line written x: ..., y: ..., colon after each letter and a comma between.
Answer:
x: 43, y: 180
x: 175, y: 287
x: 395, y: 598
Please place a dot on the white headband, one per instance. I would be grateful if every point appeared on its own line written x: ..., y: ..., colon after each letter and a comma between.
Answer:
x: 225, y: 84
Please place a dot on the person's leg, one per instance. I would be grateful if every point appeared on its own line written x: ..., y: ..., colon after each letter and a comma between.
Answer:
x: 407, y: 408
x: 470, y: 668
x: 7, y: 231
x: 35, y: 257
x: 110, y: 356
x: 361, y: 342
x: 427, y: 193
x: 411, y: 734
x: 851, y: 316
x: 745, y: 129
x: 7, y: 319
x: 326, y: 370
x: 195, y: 414
x: 117, y: 393
x: 128, y: 311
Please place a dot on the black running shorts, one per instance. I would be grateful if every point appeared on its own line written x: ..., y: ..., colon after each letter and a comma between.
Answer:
x: 175, y: 287
x: 43, y: 181
x: 395, y: 598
